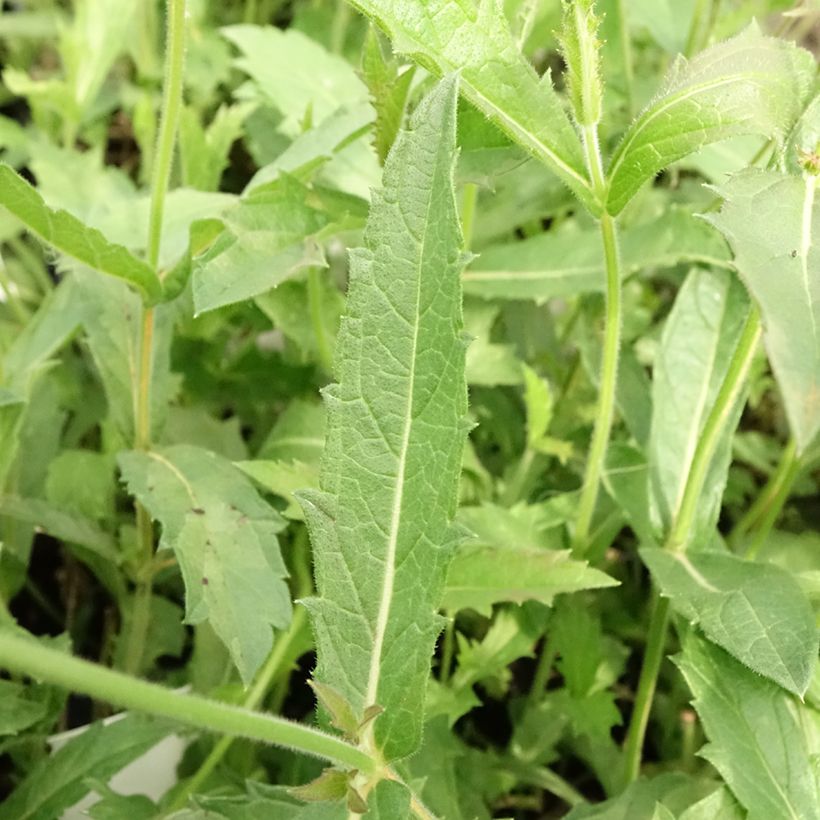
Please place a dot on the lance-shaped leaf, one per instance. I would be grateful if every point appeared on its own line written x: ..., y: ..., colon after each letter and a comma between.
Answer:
x: 224, y: 536
x: 696, y: 349
x: 757, y: 612
x: 571, y: 262
x: 482, y: 576
x: 69, y: 236
x: 756, y: 740
x: 381, y: 525
x: 773, y: 225
x: 475, y: 40
x: 750, y: 84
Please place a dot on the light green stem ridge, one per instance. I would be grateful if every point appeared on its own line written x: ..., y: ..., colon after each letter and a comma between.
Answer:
x: 163, y: 158
x: 25, y: 656
x: 323, y: 346
x: 608, y: 384
x: 679, y: 534
x: 169, y: 121
x: 773, y: 494
x: 252, y: 700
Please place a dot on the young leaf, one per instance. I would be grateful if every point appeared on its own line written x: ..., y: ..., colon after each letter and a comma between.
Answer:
x: 571, y: 262
x: 756, y: 612
x: 772, y: 224
x: 224, y: 537
x: 476, y: 41
x: 750, y: 84
x: 67, y: 235
x: 695, y: 351
x: 482, y: 576
x: 381, y: 525
x: 580, y: 47
x: 388, y: 91
x: 757, y: 742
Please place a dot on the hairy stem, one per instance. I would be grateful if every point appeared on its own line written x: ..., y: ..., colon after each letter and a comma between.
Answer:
x: 163, y: 159
x: 679, y: 535
x: 26, y: 656
x: 608, y: 383
x: 252, y: 700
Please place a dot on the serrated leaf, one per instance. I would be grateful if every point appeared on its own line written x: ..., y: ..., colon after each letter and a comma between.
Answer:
x: 756, y: 741
x: 60, y: 780
x: 750, y: 84
x: 571, y: 262
x: 283, y: 478
x: 295, y: 73
x: 771, y: 222
x: 719, y: 805
x: 381, y: 525
x: 756, y: 612
x: 696, y: 349
x: 266, y: 239
x: 482, y: 576
x: 18, y: 712
x: 388, y: 92
x: 224, y: 536
x: 476, y: 41
x: 580, y: 48
x: 67, y: 235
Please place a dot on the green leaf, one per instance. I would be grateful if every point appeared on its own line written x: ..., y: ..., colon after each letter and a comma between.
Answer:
x: 482, y: 576
x: 750, y: 84
x: 756, y: 739
x: 476, y: 41
x: 265, y: 241
x: 756, y: 612
x: 771, y: 222
x: 18, y: 712
x: 381, y: 526
x: 60, y: 780
x: 224, y: 537
x: 388, y: 88
x: 93, y: 497
x: 67, y: 235
x: 719, y: 805
x: 60, y: 524
x: 283, y: 478
x: 296, y: 74
x: 566, y: 263
x: 696, y: 349
x: 298, y: 435
x: 388, y: 801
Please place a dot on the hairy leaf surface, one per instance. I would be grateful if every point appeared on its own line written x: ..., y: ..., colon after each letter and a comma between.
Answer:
x: 750, y: 84
x: 772, y: 223
x: 475, y: 40
x: 224, y: 536
x: 756, y: 612
x: 696, y: 348
x: 381, y: 524
x: 66, y: 234
x: 756, y: 738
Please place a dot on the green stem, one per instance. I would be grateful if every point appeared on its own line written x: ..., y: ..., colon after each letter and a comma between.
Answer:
x: 314, y: 290
x: 608, y: 383
x: 252, y: 700
x: 338, y: 29
x: 546, y: 658
x: 546, y: 779
x: 26, y: 656
x: 694, y: 40
x: 788, y: 470
x: 679, y: 536
x: 163, y: 159
x: 768, y: 494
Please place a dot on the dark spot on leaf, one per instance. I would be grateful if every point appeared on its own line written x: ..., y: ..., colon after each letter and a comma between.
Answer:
x: 204, y: 581
x: 197, y: 511
x: 793, y: 254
